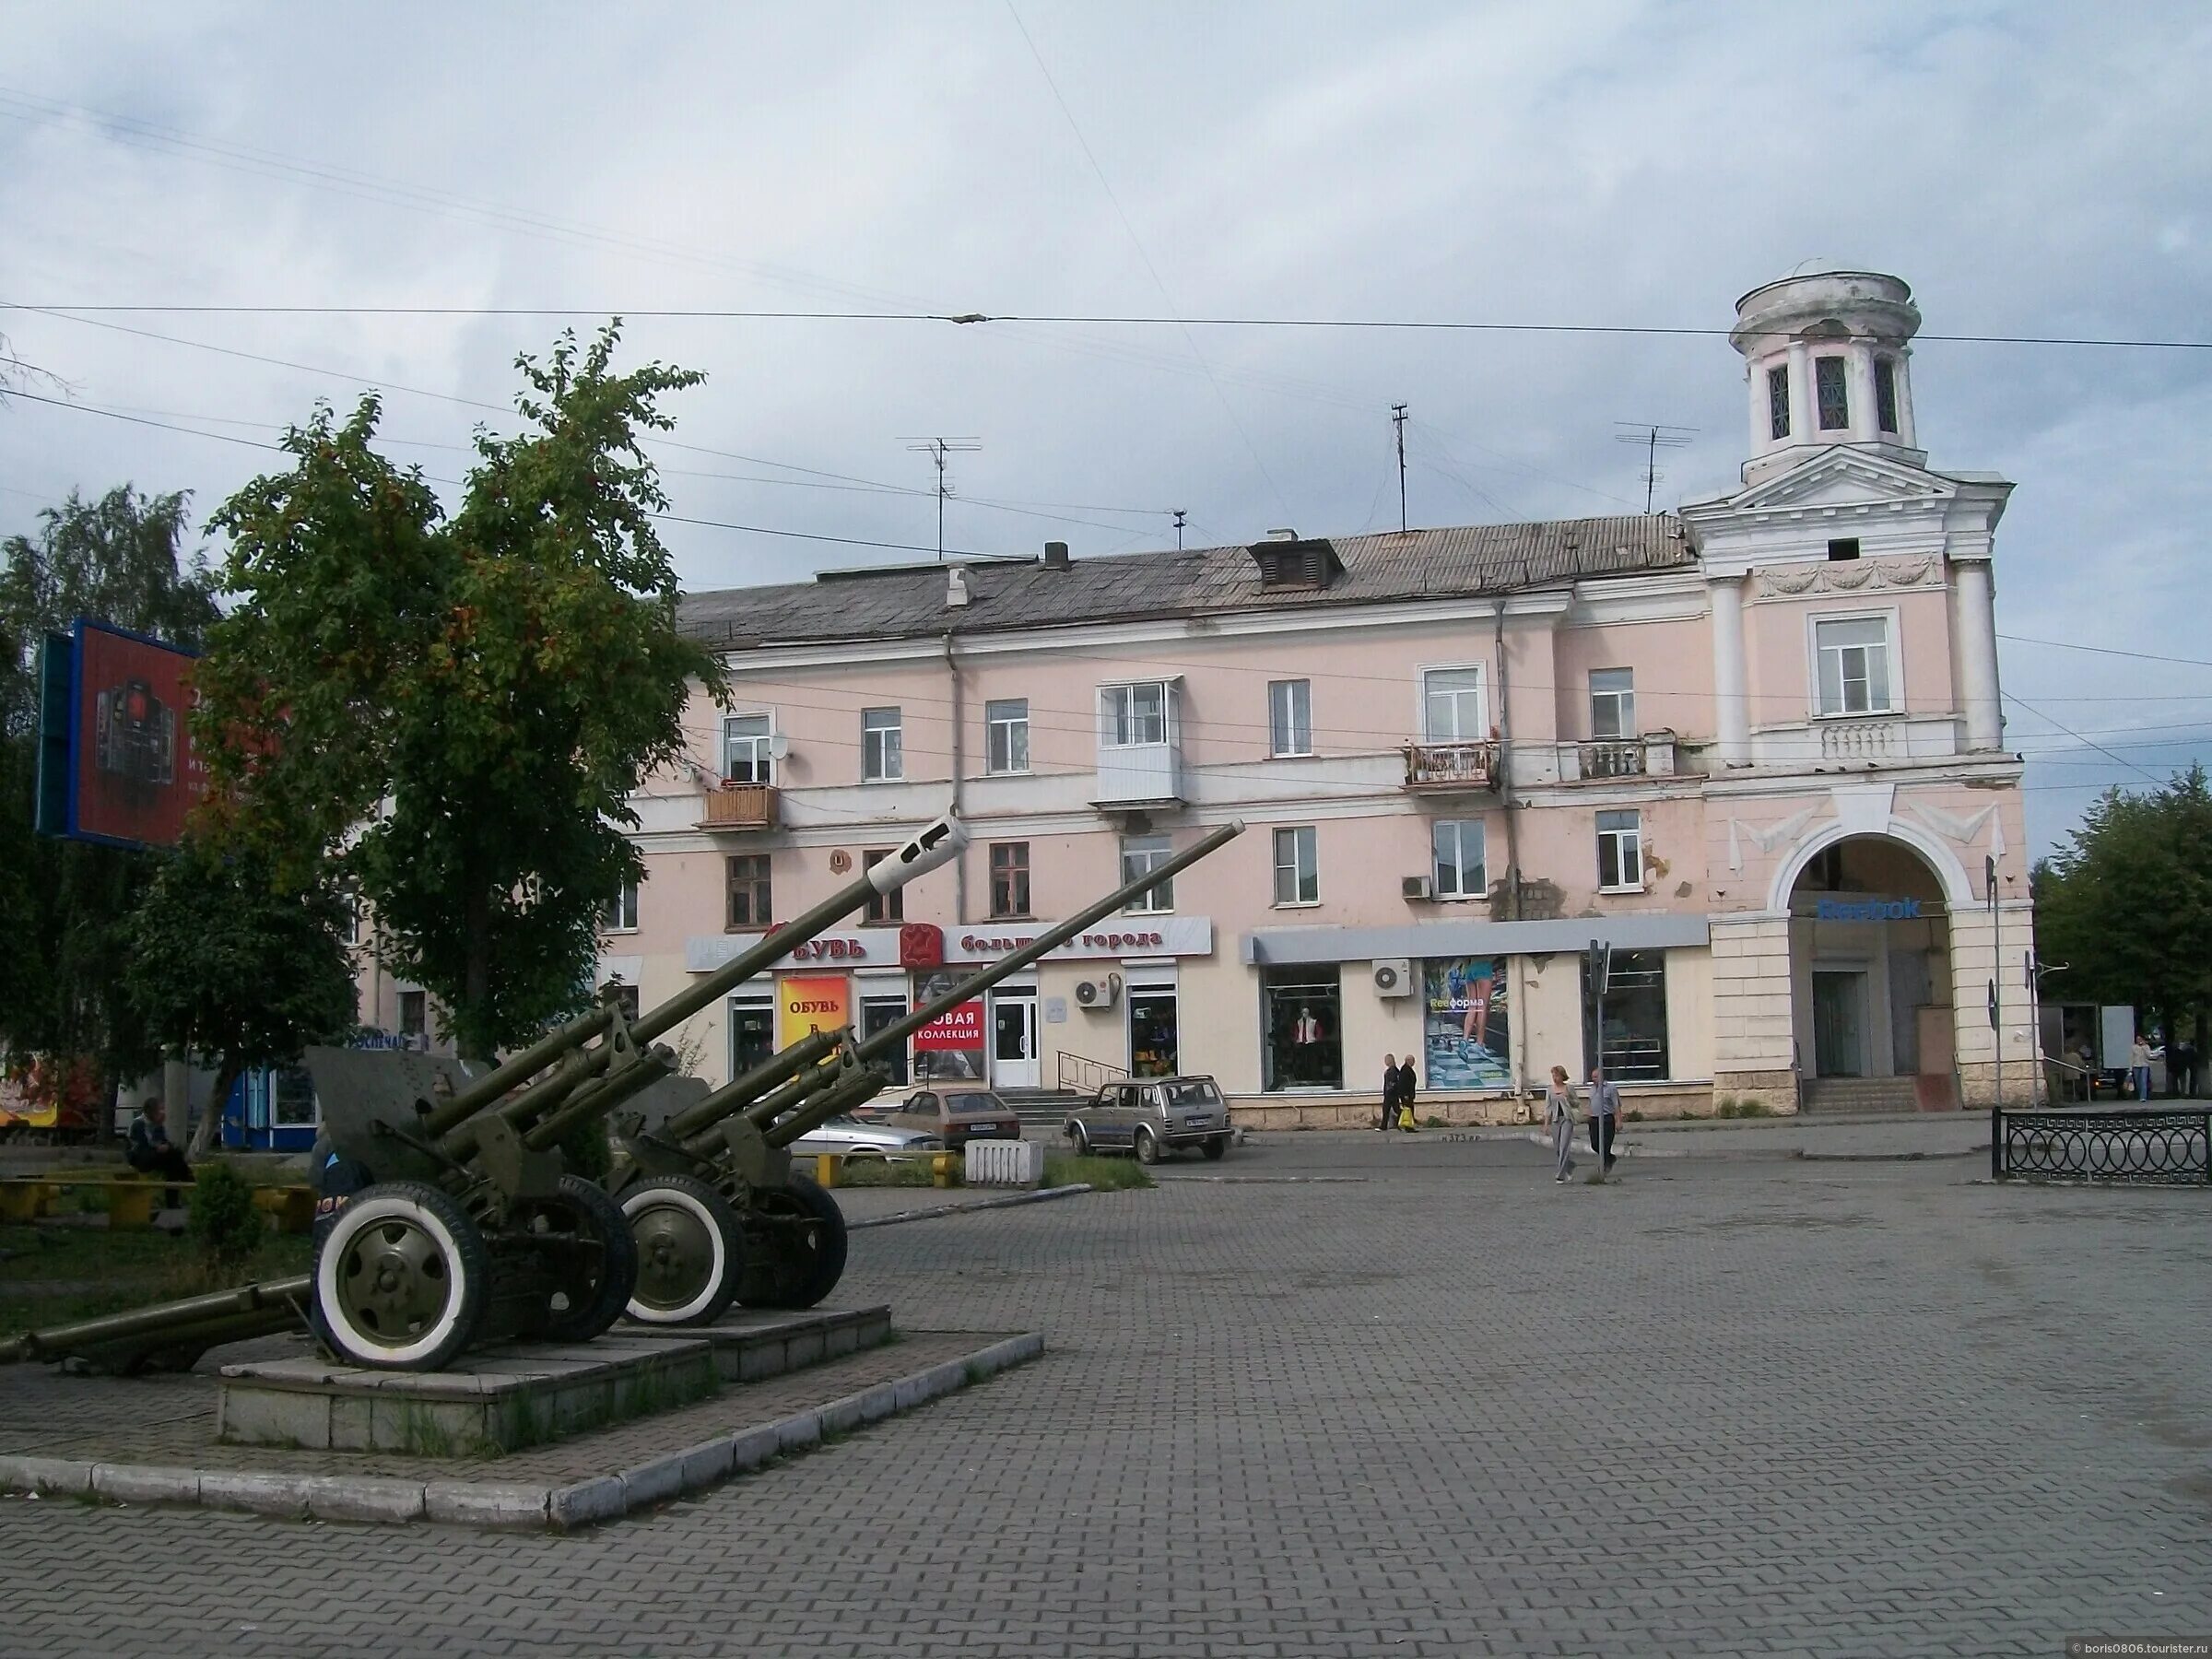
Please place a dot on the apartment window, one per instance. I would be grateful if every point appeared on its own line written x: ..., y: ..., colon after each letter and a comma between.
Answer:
x: 1010, y: 879
x: 1778, y: 400
x: 1620, y: 851
x: 1290, y: 717
x: 1297, y: 868
x: 1843, y: 549
x: 1835, y: 403
x: 882, y: 746
x: 350, y: 897
x: 1456, y: 846
x: 882, y: 907
x: 621, y: 913
x: 750, y: 902
x: 1143, y: 852
x: 1007, y: 735
x: 1853, y: 656
x: 1133, y: 716
x: 1885, y: 394
x: 1452, y: 704
x: 1612, y: 703
x: 1632, y: 1043
x: 745, y: 757
x: 413, y: 1013
x: 629, y: 1001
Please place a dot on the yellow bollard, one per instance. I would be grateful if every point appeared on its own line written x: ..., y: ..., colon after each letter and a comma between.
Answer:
x: 131, y: 1204
x: 826, y: 1166
x: 940, y: 1170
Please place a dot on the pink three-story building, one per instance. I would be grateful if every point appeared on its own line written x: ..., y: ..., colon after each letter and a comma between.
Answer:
x: 1754, y: 746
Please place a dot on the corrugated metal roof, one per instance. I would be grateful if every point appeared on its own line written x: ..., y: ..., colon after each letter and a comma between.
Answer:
x: 909, y: 602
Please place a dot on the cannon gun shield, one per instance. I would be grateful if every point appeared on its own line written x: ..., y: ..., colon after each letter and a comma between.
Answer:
x: 373, y: 1102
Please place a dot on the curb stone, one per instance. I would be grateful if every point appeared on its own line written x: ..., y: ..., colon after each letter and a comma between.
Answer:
x: 930, y: 1213
x: 506, y: 1504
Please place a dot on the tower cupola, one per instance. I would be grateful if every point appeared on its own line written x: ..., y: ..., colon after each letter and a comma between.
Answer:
x: 1828, y: 357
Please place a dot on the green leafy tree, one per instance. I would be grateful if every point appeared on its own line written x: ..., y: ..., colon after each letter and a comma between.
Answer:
x: 2127, y: 904
x: 227, y: 964
x: 65, y: 906
x: 457, y: 710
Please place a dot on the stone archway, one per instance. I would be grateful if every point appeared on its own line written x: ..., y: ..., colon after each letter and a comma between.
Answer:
x: 1871, y: 972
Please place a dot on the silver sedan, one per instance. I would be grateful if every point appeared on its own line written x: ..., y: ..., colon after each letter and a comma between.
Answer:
x: 858, y: 1140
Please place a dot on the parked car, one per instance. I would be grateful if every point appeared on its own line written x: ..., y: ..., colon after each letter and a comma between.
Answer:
x: 1151, y: 1117
x: 957, y: 1114
x: 857, y: 1140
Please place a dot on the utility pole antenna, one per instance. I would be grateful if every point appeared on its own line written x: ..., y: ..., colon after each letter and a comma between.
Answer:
x: 1179, y: 516
x: 936, y: 448
x: 1397, y: 420
x: 1652, y: 439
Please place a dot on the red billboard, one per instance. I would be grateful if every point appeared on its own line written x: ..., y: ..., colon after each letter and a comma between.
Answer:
x: 134, y: 774
x: 960, y: 1028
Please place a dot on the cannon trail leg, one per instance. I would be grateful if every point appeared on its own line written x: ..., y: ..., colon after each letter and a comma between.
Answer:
x: 691, y: 1250
x: 401, y: 1278
x: 799, y: 1236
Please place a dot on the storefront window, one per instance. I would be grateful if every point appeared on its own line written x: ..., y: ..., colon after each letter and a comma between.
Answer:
x: 876, y: 1013
x: 1634, y: 1044
x: 952, y: 1048
x: 752, y: 1033
x: 1466, y: 1024
x: 291, y: 1099
x: 1302, y: 1009
x: 1152, y: 1050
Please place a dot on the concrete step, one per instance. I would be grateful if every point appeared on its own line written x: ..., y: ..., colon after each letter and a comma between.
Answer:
x: 1862, y: 1096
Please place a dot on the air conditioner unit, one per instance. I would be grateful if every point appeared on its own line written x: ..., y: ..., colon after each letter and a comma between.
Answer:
x: 1098, y: 994
x: 1394, y: 977
x: 1417, y: 887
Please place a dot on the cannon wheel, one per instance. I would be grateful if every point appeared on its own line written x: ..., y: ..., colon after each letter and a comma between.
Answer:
x: 806, y: 1251
x: 597, y: 1296
x: 401, y: 1278
x: 690, y: 1248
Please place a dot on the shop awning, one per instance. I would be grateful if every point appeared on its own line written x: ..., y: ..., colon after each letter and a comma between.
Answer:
x: 1288, y: 945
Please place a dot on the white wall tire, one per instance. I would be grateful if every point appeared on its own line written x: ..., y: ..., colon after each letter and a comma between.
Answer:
x: 401, y: 1278
x: 691, y: 1250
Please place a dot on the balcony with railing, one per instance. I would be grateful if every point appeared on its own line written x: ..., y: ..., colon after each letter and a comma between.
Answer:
x: 738, y: 806
x: 1612, y: 757
x: 1445, y: 767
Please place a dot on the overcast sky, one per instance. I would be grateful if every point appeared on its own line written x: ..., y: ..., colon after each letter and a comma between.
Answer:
x: 2028, y: 170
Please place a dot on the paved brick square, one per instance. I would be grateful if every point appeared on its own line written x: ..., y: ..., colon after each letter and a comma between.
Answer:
x: 1369, y: 1395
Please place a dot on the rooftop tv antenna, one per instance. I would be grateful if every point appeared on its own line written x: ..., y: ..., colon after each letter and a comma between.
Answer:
x: 1179, y: 516
x: 1397, y: 420
x: 937, y: 449
x: 1652, y: 438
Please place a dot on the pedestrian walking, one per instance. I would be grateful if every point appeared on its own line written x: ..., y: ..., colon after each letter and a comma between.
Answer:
x: 1605, y: 1117
x: 2138, y: 1061
x: 1407, y: 1086
x: 1559, y: 1117
x: 1390, y: 1093
x: 2180, y: 1068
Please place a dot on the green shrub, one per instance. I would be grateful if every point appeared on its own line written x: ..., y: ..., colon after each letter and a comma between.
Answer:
x: 1753, y: 1109
x: 1726, y: 1108
x: 225, y: 1225
x: 586, y: 1151
x: 1635, y: 1117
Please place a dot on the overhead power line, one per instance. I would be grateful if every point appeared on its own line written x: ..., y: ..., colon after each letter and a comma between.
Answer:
x: 1072, y: 319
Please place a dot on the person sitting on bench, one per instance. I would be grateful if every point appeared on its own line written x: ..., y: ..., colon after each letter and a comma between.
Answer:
x: 148, y: 1151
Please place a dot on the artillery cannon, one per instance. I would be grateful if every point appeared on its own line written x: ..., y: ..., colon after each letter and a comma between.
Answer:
x: 718, y: 1212
x: 465, y: 1225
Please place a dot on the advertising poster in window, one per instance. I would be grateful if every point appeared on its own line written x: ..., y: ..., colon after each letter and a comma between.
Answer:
x: 950, y: 1046
x: 1469, y: 1025
x: 807, y: 1005
x: 135, y: 776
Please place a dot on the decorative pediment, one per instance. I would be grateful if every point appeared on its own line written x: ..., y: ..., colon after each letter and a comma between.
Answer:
x: 1842, y: 478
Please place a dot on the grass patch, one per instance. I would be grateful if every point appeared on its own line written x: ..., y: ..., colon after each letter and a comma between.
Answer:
x: 1733, y: 1108
x: 885, y: 1173
x: 55, y: 1275
x: 1105, y: 1174
x: 1635, y: 1117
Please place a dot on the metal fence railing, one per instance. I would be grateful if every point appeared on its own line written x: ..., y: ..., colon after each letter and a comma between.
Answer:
x: 2157, y: 1145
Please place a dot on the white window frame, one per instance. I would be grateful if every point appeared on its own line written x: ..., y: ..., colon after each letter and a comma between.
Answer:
x: 1290, y: 718
x: 1892, y: 640
x: 1632, y: 836
x: 761, y: 744
x: 1623, y: 700
x: 882, y: 746
x: 1302, y: 873
x: 1481, y: 692
x: 1437, y: 837
x: 1012, y: 725
x: 1154, y: 851
x: 1110, y: 724
x: 621, y: 914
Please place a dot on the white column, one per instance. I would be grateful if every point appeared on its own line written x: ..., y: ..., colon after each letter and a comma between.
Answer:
x: 1762, y: 429
x: 1859, y: 374
x: 1974, y: 634
x: 1902, y: 367
x: 1802, y: 429
x: 1731, y: 703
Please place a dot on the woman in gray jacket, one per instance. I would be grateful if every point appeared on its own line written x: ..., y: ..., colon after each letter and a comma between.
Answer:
x: 1559, y: 1117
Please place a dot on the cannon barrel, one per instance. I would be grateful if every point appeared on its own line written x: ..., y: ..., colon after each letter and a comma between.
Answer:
x: 809, y: 1111
x: 801, y: 1056
x: 225, y: 1316
x: 601, y: 1097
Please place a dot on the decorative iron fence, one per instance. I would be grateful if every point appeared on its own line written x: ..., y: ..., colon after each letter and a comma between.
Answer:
x: 2160, y: 1147
x: 1612, y: 757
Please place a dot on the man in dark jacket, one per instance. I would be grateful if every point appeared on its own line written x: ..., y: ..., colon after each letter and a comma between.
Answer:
x: 1390, y: 1093
x: 1407, y: 1083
